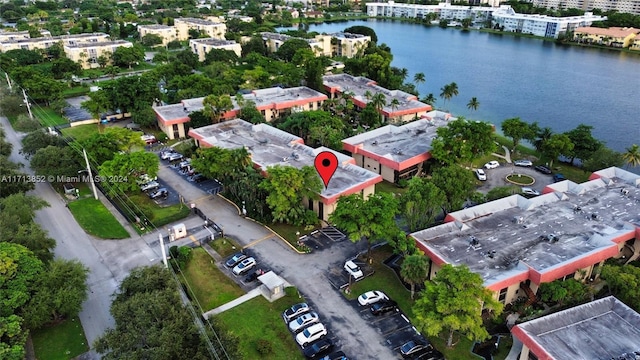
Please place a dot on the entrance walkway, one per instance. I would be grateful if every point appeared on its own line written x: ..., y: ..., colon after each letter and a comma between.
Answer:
x: 233, y: 303
x: 506, y: 156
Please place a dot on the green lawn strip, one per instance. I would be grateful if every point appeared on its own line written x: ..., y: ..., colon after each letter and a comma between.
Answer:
x: 291, y: 233
x: 76, y: 91
x: 49, y: 117
x: 258, y: 319
x: 388, y: 187
x: 63, y: 341
x: 503, y: 348
x: 210, y: 286
x: 96, y: 219
x: 81, y: 132
x: 160, y: 215
x: 461, y: 350
x: 225, y: 247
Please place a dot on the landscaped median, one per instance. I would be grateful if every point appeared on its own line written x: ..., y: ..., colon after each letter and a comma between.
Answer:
x: 96, y: 219
x: 62, y: 341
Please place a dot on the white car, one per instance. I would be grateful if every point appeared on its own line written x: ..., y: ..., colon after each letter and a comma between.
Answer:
x: 371, y: 297
x: 491, y: 164
x: 164, y: 154
x: 311, y: 334
x: 175, y: 156
x: 148, y: 139
x: 244, y: 266
x: 481, y: 175
x: 149, y: 186
x: 530, y: 191
x: 523, y: 162
x: 145, y: 179
x: 303, y: 321
x: 353, y: 269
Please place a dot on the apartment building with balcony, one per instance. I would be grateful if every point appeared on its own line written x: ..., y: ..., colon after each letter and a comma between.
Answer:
x: 209, y: 28
x: 442, y: 10
x: 348, y: 45
x: 87, y: 54
x: 201, y: 47
x: 614, y: 36
x: 166, y: 33
x: 622, y: 6
x: 43, y: 43
x: 541, y: 25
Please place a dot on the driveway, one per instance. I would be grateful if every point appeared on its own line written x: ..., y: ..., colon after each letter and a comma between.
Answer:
x: 497, y: 177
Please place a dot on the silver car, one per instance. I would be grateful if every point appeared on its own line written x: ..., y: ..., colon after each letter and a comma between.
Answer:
x: 149, y: 186
x: 303, y: 321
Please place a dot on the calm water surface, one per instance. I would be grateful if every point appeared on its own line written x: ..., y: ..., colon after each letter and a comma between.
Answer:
x: 557, y: 86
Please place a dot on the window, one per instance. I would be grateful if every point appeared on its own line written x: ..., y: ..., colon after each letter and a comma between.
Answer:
x: 503, y: 295
x: 176, y: 131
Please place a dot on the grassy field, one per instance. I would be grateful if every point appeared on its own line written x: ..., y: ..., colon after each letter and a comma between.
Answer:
x: 96, y: 219
x: 210, y: 286
x: 161, y: 215
x: 461, y: 350
x: 81, y: 132
x: 290, y: 232
x: 388, y: 187
x: 60, y: 342
x: 225, y: 247
x: 76, y: 91
x: 266, y: 324
x: 48, y: 117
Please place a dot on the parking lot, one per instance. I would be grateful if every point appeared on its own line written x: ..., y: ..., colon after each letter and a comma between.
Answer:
x: 323, y: 238
x: 210, y: 186
x: 496, y: 177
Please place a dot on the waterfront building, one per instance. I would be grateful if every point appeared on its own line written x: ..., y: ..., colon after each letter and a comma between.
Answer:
x: 397, y: 152
x: 636, y: 44
x: 87, y: 54
x: 208, y: 28
x: 270, y: 146
x: 623, y: 6
x: 442, y: 10
x: 602, y: 329
x: 201, y: 47
x: 348, y: 45
x: 320, y: 44
x: 613, y: 36
x: 337, y: 44
x: 541, y: 25
x: 400, y: 106
x: 515, y: 244
x: 167, y: 33
x: 271, y: 102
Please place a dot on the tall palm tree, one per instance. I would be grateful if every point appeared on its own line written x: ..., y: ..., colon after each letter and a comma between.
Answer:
x: 429, y: 99
x: 404, y: 73
x: 379, y: 101
x: 419, y: 78
x: 414, y: 270
x: 543, y: 135
x: 454, y: 89
x: 632, y: 155
x: 445, y: 93
x: 473, y: 103
x: 368, y: 95
x: 395, y: 104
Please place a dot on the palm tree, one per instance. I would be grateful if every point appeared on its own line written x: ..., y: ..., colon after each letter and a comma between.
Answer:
x: 419, y: 78
x: 414, y: 270
x: 403, y: 73
x: 379, y: 101
x: 454, y: 89
x: 395, y: 104
x: 445, y: 93
x: 473, y: 103
x: 632, y: 155
x: 429, y: 99
x: 543, y: 135
x: 368, y: 95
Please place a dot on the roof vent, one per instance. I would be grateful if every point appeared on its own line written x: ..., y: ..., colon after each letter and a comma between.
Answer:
x: 263, y: 141
x: 491, y: 254
x: 473, y: 241
x: 185, y: 109
x: 594, y: 216
x: 375, y: 142
x: 518, y: 219
x: 625, y: 191
x: 577, y: 209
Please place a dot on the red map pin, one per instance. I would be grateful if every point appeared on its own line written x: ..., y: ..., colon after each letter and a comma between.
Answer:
x: 326, y: 164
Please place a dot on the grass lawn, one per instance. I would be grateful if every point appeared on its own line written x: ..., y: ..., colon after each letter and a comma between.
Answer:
x: 289, y: 232
x: 60, y: 342
x: 503, y: 348
x: 81, y: 132
x: 266, y: 324
x: 225, y: 247
x: 96, y: 219
x: 461, y: 350
x: 48, y: 117
x: 76, y: 91
x: 388, y: 187
x: 161, y: 215
x: 210, y: 286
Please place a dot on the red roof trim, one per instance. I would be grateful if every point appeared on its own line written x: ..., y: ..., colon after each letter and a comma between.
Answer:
x: 530, y: 343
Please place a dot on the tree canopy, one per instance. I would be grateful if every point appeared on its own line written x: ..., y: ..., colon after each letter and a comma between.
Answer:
x: 414, y: 269
x: 462, y: 141
x: 363, y: 30
x: 457, y: 184
x: 517, y: 130
x: 624, y: 282
x: 421, y: 203
x: 584, y: 144
x: 124, y: 169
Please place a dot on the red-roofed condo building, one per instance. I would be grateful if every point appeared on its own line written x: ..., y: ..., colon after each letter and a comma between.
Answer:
x: 269, y: 146
x: 516, y: 244
x: 271, y: 102
x: 397, y: 152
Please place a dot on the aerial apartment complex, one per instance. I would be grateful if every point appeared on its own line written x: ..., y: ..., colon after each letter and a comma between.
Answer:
x: 270, y: 146
x: 515, y: 243
x: 338, y: 44
x: 201, y: 47
x: 623, y: 6
x: 613, y: 36
x: 443, y: 10
x: 271, y: 102
x: 602, y: 329
x: 397, y: 152
x: 400, y: 106
x: 180, y: 30
x: 165, y: 32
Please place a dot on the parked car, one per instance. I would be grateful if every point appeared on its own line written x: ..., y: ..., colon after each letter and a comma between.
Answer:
x: 161, y: 193
x: 353, y: 269
x: 543, y: 169
x: 311, y: 334
x: 481, y: 175
x: 185, y: 163
x: 164, y: 154
x: 384, y: 306
x: 371, y: 297
x: 144, y: 178
x: 558, y: 177
x: 428, y: 353
x: 523, y: 162
x: 148, y: 139
x: 318, y: 348
x: 234, y: 260
x: 338, y: 355
x: 530, y: 192
x: 151, y: 185
x: 303, y: 321
x: 491, y: 164
x: 295, y: 311
x: 244, y: 266
x: 175, y: 156
x: 411, y: 348
x: 197, y: 178
x: 253, y: 276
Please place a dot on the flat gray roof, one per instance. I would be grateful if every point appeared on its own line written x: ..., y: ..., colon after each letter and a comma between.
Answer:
x: 198, y: 21
x: 284, y: 37
x: 345, y: 35
x: 545, y: 232
x: 359, y: 86
x: 270, y: 146
x: 214, y: 42
x: 156, y: 26
x: 98, y: 43
x: 602, y: 329
x: 56, y: 38
x: 399, y: 143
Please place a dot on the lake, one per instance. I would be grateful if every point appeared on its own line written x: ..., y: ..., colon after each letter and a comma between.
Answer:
x: 558, y: 86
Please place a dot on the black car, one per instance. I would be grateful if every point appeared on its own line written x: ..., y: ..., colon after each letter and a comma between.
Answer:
x: 318, y: 348
x: 234, y: 260
x: 558, y: 177
x: 413, y: 348
x: 253, y: 276
x: 428, y: 353
x: 197, y: 178
x: 161, y: 193
x: 382, y: 307
x: 338, y: 355
x: 543, y: 169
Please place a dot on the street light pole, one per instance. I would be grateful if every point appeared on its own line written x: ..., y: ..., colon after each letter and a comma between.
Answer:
x: 93, y: 184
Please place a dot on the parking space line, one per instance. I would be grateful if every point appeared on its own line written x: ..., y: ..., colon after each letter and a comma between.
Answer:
x: 257, y: 241
x: 193, y: 239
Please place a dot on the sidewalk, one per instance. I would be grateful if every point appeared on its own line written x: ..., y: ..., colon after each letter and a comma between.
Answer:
x: 233, y: 303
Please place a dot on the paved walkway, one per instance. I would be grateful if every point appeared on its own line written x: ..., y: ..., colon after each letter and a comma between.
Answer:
x: 514, y: 353
x: 506, y: 156
x: 233, y: 303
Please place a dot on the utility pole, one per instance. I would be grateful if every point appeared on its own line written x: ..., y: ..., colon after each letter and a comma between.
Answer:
x: 8, y: 81
x: 26, y: 102
x: 93, y: 184
x: 164, y: 255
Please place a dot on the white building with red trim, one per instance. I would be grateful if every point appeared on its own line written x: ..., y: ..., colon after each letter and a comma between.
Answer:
x: 270, y: 146
x: 515, y: 244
